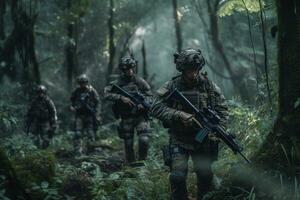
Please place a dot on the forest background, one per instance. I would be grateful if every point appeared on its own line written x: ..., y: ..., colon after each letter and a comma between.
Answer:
x: 251, y: 48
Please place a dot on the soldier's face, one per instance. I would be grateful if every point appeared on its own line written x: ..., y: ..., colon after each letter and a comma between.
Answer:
x: 191, y: 74
x: 128, y: 72
x: 83, y: 85
x: 40, y: 94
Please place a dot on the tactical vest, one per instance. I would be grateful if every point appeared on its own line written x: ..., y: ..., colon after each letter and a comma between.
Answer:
x: 40, y: 111
x: 121, y: 109
x: 84, y: 102
x: 201, y: 96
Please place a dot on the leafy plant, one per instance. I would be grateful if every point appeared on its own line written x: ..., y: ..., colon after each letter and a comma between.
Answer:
x: 228, y: 7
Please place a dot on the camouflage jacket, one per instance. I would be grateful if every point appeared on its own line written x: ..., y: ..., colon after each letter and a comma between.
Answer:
x: 85, y: 101
x: 135, y: 84
x: 42, y: 109
x: 204, y: 93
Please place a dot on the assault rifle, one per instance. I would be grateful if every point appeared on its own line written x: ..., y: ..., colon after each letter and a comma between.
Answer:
x: 210, y: 120
x: 135, y: 97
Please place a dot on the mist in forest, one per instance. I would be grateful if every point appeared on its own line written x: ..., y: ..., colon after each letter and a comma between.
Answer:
x: 250, y: 49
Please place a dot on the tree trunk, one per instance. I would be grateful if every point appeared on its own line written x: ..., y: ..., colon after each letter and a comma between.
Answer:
x: 289, y: 65
x: 2, y: 13
x: 282, y: 146
x: 111, y: 35
x: 144, y: 55
x: 71, y: 49
x: 237, y: 79
x: 21, y: 41
x: 177, y: 26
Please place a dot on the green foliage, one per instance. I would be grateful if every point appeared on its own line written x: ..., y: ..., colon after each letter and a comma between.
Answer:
x: 18, y: 145
x: 228, y: 7
x: 35, y: 167
x: 7, y: 121
x: 147, y: 182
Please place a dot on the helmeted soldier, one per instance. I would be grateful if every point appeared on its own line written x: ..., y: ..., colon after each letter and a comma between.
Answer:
x: 131, y: 119
x: 41, y: 118
x: 84, y: 102
x: 200, y: 91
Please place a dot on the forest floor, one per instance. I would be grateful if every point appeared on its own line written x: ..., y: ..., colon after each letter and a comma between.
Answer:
x: 102, y: 173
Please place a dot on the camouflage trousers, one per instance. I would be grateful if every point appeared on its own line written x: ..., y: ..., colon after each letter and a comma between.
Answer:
x: 179, y: 169
x: 84, y: 132
x: 126, y: 131
x: 42, y: 134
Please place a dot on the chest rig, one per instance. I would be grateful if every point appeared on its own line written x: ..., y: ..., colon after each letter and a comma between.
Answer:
x: 199, y: 95
x: 121, y: 110
x: 41, y: 109
x: 130, y: 87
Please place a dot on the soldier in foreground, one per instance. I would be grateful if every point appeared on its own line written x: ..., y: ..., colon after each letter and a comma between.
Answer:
x: 84, y: 103
x: 133, y: 114
x: 182, y: 126
x: 41, y: 118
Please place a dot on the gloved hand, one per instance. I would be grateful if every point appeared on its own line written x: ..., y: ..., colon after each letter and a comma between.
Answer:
x: 140, y: 107
x: 213, y: 137
x: 188, y: 120
x: 127, y: 101
x: 72, y: 109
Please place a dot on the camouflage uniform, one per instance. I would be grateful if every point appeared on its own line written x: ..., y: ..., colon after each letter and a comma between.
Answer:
x: 182, y: 145
x: 85, y: 101
x: 41, y: 118
x: 131, y: 121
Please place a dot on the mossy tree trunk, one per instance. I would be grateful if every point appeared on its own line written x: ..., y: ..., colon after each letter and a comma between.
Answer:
x: 71, y: 48
x: 283, y: 144
x: 21, y: 42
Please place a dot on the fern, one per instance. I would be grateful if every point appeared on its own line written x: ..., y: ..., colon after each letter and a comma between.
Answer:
x: 228, y: 7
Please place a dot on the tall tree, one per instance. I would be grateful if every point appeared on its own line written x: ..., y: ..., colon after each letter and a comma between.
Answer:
x: 21, y: 42
x: 177, y: 25
x: 211, y: 24
x: 282, y: 145
x: 111, y: 37
x: 71, y: 46
x: 144, y: 55
x: 2, y: 13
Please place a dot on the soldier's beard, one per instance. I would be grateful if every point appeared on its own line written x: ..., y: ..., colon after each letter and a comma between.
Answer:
x: 128, y: 75
x: 191, y: 77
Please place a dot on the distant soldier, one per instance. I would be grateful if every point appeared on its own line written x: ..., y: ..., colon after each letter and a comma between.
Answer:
x: 41, y: 118
x: 180, y: 121
x: 84, y: 102
x: 131, y: 119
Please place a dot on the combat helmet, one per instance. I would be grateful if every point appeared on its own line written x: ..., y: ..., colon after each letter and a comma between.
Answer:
x: 189, y: 59
x: 82, y: 79
x: 127, y: 62
x: 41, y: 89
